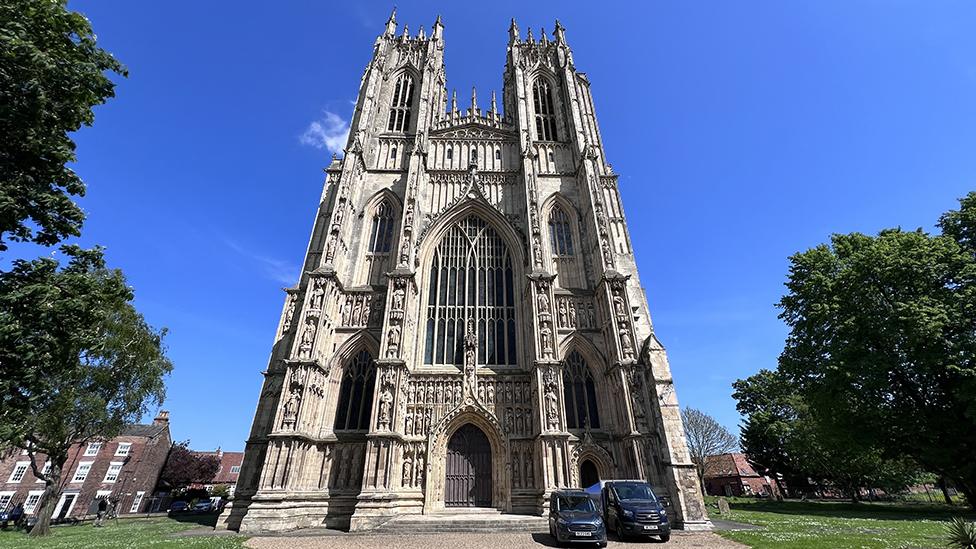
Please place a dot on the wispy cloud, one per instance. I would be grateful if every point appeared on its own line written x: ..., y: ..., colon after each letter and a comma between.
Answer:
x: 283, y: 272
x: 330, y: 133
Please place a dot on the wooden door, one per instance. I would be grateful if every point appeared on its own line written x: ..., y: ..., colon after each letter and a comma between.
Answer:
x: 468, y: 469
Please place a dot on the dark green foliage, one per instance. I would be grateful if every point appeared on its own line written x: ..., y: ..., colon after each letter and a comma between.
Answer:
x: 78, y: 360
x: 882, y: 346
x: 51, y: 75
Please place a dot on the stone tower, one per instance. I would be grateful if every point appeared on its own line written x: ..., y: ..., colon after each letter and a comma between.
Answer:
x: 469, y: 329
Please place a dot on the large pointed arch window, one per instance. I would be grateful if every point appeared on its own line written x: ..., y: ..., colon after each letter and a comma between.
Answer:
x: 400, y: 107
x: 545, y: 114
x: 471, y: 280
x: 579, y: 393
x: 356, y: 393
x: 381, y: 235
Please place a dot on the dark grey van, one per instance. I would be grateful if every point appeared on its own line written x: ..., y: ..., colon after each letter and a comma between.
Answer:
x: 631, y: 509
x: 574, y: 518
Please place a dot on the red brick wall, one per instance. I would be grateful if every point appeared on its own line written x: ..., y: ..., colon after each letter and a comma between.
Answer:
x: 140, y: 472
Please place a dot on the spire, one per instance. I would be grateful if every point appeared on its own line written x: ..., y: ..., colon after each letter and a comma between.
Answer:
x: 542, y: 36
x: 560, y: 33
x: 391, y: 23
x: 529, y: 38
x: 513, y: 32
x: 474, y: 100
x: 454, y: 101
x: 438, y: 30
x: 421, y: 35
x: 494, y: 106
x: 406, y: 33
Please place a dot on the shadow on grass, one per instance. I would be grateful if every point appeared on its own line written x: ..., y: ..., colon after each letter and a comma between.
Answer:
x: 200, y: 519
x: 878, y: 511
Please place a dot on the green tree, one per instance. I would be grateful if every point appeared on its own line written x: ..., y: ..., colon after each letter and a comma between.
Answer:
x: 51, y: 75
x: 882, y: 344
x: 782, y: 435
x: 79, y: 362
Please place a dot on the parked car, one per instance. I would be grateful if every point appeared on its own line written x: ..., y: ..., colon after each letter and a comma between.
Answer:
x: 179, y: 507
x: 203, y: 506
x: 630, y: 508
x: 574, y: 518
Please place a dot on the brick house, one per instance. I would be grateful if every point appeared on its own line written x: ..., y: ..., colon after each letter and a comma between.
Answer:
x: 732, y: 475
x: 124, y: 469
x: 227, y: 473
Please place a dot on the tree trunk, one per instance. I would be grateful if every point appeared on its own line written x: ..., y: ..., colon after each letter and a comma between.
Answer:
x: 945, y: 490
x: 968, y: 490
x: 49, y: 500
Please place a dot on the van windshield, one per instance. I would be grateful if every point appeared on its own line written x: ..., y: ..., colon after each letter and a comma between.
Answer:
x: 575, y: 503
x: 634, y: 490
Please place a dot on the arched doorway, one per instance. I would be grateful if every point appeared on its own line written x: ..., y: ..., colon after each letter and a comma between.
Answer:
x: 589, y: 475
x: 468, y: 469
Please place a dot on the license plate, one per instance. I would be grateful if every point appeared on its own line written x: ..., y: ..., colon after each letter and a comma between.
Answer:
x: 584, y: 534
x: 651, y: 527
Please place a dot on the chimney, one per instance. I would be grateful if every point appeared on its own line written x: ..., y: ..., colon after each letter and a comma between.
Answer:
x: 162, y: 418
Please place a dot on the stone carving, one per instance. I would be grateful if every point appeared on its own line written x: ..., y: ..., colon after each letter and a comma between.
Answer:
x: 549, y: 387
x: 393, y: 342
x: 636, y: 386
x: 545, y: 317
x: 289, y: 312
x: 575, y: 313
x: 470, y: 352
x: 308, y: 337
x: 386, y: 403
x: 626, y: 343
x: 358, y: 310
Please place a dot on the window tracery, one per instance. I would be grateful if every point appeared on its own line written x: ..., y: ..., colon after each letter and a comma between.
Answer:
x: 400, y: 107
x: 471, y: 277
x: 579, y: 393
x: 356, y: 393
x: 545, y: 114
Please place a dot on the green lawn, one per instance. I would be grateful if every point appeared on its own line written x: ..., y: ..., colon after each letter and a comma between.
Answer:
x: 123, y: 534
x: 800, y: 525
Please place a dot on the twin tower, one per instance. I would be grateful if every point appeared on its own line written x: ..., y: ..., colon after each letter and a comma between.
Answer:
x: 469, y: 329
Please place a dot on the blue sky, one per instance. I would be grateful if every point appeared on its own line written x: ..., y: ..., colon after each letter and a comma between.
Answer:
x: 744, y: 132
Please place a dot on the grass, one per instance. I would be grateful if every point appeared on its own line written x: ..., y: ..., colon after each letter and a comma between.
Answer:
x: 802, y: 525
x: 126, y: 533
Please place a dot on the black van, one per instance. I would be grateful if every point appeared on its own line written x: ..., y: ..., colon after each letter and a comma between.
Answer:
x: 630, y: 508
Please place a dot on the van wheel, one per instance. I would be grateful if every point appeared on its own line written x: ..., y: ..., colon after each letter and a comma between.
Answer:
x: 665, y: 538
x: 620, y: 532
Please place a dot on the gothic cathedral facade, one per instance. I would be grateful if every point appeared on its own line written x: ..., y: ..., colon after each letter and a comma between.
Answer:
x: 469, y: 329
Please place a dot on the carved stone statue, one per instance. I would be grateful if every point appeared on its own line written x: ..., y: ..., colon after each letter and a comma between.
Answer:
x: 393, y: 340
x: 386, y: 400
x: 618, y: 306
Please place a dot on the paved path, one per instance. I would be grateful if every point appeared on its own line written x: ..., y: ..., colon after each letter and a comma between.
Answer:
x: 679, y: 540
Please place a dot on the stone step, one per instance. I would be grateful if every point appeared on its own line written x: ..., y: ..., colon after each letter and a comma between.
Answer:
x: 463, y: 522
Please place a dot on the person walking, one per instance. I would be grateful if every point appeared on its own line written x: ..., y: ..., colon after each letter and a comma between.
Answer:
x: 102, y: 510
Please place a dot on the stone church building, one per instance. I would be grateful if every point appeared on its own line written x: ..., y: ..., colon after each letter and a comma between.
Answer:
x: 469, y: 329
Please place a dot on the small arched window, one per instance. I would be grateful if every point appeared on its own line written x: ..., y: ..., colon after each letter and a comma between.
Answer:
x: 545, y: 114
x: 381, y: 236
x: 356, y: 393
x: 579, y: 394
x: 400, y: 107
x: 450, y: 153
x: 560, y: 233
x: 498, y: 154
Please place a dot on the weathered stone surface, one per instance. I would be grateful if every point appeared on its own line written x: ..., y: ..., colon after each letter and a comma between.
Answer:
x: 465, y: 268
